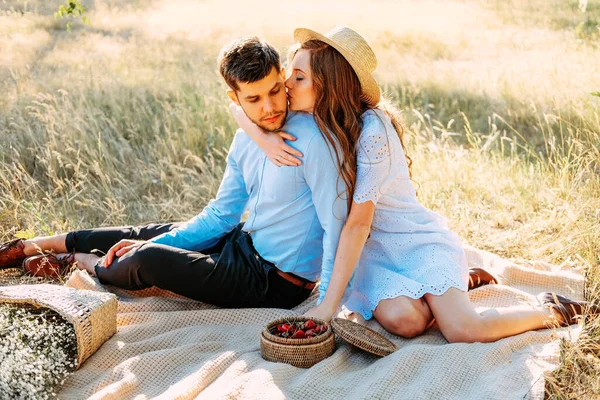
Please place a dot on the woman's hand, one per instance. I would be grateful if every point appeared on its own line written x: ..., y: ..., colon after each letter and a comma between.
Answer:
x: 321, y: 312
x: 272, y: 143
x: 278, y: 151
x: 120, y: 249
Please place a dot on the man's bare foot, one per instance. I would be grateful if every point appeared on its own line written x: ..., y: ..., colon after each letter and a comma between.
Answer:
x: 87, y: 262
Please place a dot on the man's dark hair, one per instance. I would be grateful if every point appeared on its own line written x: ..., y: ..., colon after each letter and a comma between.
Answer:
x: 248, y: 59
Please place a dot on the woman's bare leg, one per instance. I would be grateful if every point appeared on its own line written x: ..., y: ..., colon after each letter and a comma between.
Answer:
x: 37, y: 245
x: 459, y: 322
x: 404, y: 316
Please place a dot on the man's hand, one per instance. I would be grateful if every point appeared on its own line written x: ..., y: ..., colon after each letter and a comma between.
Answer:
x: 120, y: 249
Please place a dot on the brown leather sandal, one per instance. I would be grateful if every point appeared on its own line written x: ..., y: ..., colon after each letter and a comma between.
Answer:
x: 11, y: 253
x: 479, y: 277
x: 570, y: 310
x: 49, y: 265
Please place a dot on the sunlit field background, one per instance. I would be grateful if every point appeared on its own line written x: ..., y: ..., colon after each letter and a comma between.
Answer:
x: 125, y: 120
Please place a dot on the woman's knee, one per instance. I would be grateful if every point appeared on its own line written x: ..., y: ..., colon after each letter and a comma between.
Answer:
x: 406, y: 319
x: 456, y: 318
x: 408, y: 325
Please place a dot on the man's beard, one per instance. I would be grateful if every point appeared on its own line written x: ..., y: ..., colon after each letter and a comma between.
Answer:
x: 260, y: 125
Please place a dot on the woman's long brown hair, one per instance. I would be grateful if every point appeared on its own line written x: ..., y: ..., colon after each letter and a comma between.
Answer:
x: 339, y: 107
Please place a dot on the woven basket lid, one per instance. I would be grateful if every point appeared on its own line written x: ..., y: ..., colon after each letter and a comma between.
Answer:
x: 92, y: 314
x: 362, y: 337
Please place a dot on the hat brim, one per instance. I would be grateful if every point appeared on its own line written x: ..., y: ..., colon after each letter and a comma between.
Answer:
x: 369, y: 86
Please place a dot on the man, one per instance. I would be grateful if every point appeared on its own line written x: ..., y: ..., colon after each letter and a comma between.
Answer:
x: 272, y: 260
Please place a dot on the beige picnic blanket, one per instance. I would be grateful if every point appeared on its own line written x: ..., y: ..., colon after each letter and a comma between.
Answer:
x: 170, y: 347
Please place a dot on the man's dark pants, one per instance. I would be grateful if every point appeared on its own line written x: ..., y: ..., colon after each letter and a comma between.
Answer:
x: 230, y: 274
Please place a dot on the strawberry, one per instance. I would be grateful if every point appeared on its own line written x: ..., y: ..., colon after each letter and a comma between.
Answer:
x: 310, y: 324
x: 317, y: 329
x: 309, y: 333
x: 299, y: 334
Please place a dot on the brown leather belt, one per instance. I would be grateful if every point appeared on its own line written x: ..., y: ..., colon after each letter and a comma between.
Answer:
x: 296, y: 281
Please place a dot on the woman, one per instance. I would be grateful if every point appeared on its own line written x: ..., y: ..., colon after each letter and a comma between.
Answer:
x: 411, y: 268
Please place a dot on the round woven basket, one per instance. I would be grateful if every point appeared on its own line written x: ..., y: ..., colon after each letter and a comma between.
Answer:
x: 302, y: 353
x: 92, y: 314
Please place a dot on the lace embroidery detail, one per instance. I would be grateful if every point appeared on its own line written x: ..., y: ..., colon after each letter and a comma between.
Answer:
x: 434, y: 269
x: 365, y: 303
x: 374, y: 159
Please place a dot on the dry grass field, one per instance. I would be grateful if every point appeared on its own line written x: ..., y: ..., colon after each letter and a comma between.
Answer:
x: 125, y: 120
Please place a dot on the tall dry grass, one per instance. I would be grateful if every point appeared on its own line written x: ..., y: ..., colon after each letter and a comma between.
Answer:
x: 125, y: 121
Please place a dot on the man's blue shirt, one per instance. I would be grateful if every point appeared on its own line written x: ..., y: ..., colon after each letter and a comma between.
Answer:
x: 296, y: 214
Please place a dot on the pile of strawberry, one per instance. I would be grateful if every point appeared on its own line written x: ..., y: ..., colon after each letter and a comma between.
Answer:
x: 299, y: 330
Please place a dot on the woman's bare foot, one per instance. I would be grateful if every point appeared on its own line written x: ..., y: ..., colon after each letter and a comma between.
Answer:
x: 344, y: 313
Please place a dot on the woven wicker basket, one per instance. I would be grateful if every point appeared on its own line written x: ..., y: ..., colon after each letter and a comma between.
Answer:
x: 92, y: 314
x: 362, y: 337
x: 302, y: 353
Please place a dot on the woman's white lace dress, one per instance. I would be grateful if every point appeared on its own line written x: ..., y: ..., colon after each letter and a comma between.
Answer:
x: 410, y: 250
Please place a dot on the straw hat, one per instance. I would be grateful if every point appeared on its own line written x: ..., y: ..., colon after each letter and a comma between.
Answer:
x: 355, y: 50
